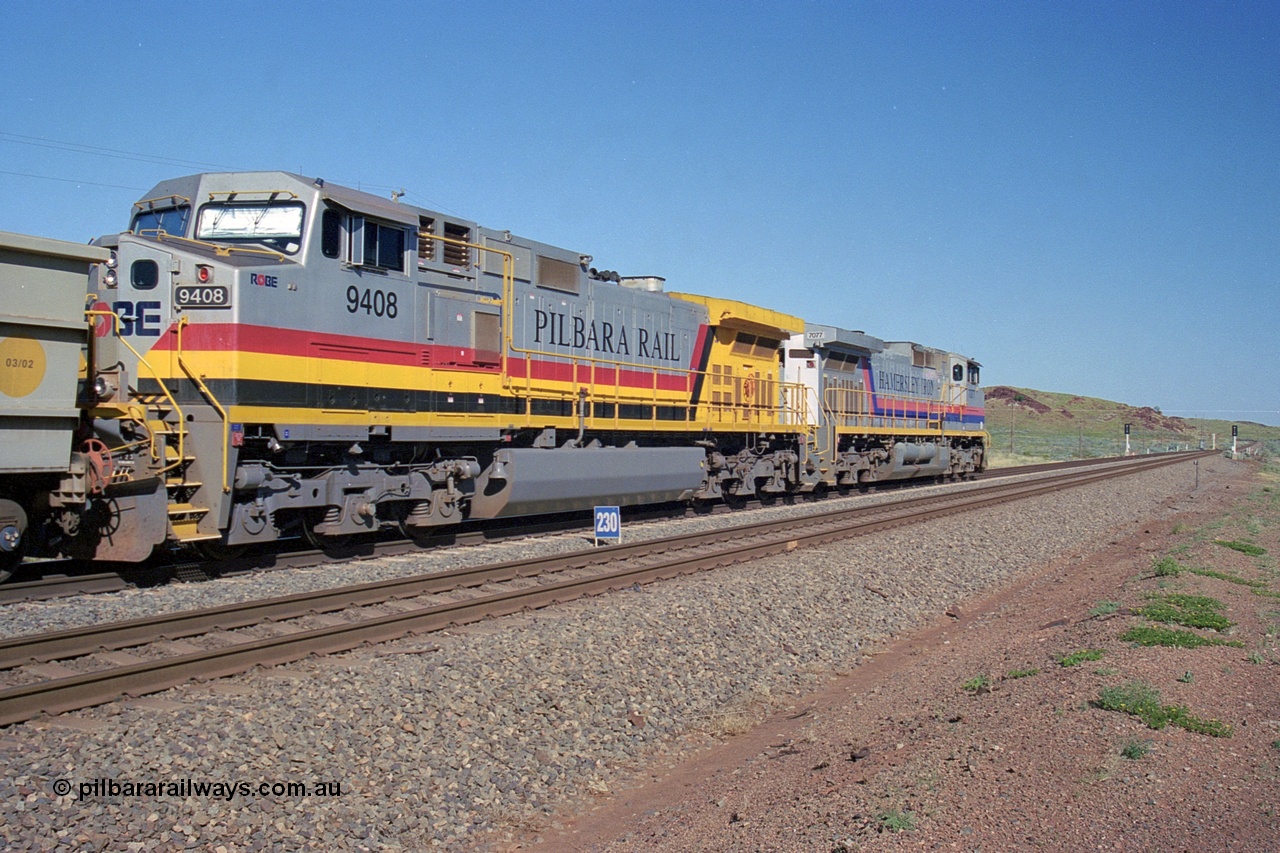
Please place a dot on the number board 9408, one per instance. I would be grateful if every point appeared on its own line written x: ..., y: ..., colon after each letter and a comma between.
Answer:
x: 202, y: 296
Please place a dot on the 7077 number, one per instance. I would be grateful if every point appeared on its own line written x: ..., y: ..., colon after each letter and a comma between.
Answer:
x: 379, y: 303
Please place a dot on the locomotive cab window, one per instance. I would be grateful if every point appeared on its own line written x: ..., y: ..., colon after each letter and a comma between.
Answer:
x: 144, y: 274
x: 330, y: 233
x: 276, y: 225
x: 973, y: 374
x: 172, y: 220
x: 377, y: 245
x: 957, y: 373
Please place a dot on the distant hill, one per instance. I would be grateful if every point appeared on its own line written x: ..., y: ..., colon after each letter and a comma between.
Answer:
x: 1044, y: 424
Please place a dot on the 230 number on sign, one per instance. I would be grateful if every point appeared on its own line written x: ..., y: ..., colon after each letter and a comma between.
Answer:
x: 379, y: 303
x: 608, y: 522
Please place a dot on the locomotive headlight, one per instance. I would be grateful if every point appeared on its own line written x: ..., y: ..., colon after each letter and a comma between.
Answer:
x: 110, y: 278
x: 204, y: 274
x: 103, y: 389
x: 112, y: 260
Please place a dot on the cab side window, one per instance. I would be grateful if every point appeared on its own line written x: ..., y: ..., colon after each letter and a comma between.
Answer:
x: 331, y: 233
x: 377, y: 244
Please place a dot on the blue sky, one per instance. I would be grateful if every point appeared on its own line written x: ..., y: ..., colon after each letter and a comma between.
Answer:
x: 1084, y: 196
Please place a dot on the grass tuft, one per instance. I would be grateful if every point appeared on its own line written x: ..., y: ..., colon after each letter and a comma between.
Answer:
x: 893, y: 820
x: 1167, y: 567
x: 1193, y: 611
x: 1135, y: 749
x: 1154, y: 635
x: 1077, y: 658
x: 1143, y: 701
x: 1022, y: 673
x: 1242, y: 547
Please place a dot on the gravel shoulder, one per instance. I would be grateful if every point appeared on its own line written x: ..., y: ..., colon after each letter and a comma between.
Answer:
x: 971, y: 734
x: 534, y: 730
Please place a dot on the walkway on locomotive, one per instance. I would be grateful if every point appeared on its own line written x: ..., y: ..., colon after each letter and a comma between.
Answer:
x: 302, y: 303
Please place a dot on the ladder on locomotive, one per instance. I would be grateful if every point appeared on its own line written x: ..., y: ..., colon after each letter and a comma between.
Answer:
x: 171, y: 452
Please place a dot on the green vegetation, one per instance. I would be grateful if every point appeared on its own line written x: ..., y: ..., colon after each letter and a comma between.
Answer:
x: 1135, y: 749
x: 1242, y: 547
x: 1105, y: 608
x: 1228, y: 577
x: 897, y: 821
x: 1077, y: 658
x: 1193, y: 611
x: 978, y: 682
x: 1036, y: 425
x: 1023, y: 673
x: 1167, y: 567
x: 1187, y: 677
x: 1143, y: 701
x: 1154, y: 635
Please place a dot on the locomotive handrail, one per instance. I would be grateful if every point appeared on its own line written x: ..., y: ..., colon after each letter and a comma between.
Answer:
x: 218, y: 249
x: 107, y: 312
x: 509, y: 346
x: 508, y: 288
x: 930, y: 415
x: 151, y: 202
x: 508, y: 321
x: 575, y: 361
x: 270, y: 194
x: 213, y: 401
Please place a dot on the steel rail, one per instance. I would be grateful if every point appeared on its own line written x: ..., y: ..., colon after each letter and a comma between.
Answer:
x: 63, y: 694
x: 72, y: 642
x: 60, y: 586
x: 57, y: 586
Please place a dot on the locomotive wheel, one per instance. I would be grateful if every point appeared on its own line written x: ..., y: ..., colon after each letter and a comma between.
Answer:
x: 9, y: 561
x: 420, y: 536
x: 327, y: 544
x: 416, y: 534
x: 15, y: 528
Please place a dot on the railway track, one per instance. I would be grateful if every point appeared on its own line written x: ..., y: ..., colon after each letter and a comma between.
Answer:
x: 59, y: 585
x: 67, y: 670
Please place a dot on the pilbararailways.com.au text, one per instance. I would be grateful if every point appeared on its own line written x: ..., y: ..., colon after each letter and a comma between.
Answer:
x: 184, y: 788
